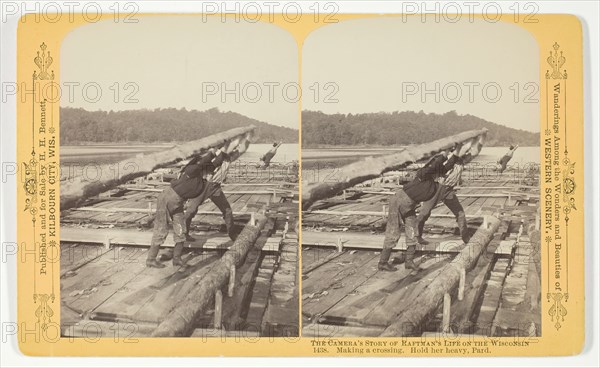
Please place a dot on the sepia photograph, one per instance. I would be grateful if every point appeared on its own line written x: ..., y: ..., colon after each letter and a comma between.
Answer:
x: 282, y: 183
x: 421, y: 180
x: 179, y: 179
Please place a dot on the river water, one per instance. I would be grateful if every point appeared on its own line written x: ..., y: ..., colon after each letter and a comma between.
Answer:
x: 74, y: 159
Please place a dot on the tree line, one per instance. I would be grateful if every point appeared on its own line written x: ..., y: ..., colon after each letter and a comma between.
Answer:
x: 160, y: 125
x: 402, y: 128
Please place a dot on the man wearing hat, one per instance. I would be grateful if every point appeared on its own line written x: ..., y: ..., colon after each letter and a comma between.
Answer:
x: 446, y: 194
x: 190, y: 184
x: 232, y: 151
x: 402, y: 207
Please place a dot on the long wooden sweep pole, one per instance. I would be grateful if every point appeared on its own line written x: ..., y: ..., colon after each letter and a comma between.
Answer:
x: 180, y: 321
x: 409, y: 321
x: 104, y: 177
x: 373, y: 167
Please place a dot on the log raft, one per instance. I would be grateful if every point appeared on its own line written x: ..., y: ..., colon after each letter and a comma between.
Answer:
x: 104, y: 244
x: 460, y: 288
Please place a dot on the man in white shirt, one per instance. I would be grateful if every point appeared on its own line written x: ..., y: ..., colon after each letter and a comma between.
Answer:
x: 446, y: 194
x: 232, y: 151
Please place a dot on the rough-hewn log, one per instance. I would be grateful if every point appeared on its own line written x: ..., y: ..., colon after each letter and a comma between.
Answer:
x: 136, y: 238
x: 459, y: 195
x: 278, y: 192
x: 72, y: 192
x: 180, y: 321
x: 373, y: 167
x: 414, y: 313
x: 145, y: 210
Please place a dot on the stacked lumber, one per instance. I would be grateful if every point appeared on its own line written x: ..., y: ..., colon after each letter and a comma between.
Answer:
x: 518, y: 310
x: 260, y: 296
x: 283, y: 300
x: 491, y: 298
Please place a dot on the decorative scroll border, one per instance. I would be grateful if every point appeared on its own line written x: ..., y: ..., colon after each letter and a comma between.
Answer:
x: 558, y: 309
x: 32, y: 173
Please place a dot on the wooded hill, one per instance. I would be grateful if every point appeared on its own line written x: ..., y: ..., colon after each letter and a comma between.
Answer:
x: 160, y: 125
x: 402, y: 128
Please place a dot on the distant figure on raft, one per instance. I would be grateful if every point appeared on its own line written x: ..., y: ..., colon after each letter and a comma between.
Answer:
x: 501, y: 165
x: 265, y: 160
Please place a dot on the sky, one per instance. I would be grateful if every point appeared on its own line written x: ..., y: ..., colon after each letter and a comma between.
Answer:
x: 388, y: 64
x: 355, y: 66
x: 183, y: 61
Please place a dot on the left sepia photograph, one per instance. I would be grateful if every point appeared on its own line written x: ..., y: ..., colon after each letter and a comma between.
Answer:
x: 179, y: 178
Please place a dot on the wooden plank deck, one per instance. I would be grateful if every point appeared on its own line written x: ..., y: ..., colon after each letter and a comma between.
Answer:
x: 104, y: 279
x: 345, y: 295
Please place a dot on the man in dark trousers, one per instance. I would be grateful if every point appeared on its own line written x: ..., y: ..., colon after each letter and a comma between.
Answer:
x: 402, y: 208
x: 446, y: 194
x: 267, y: 157
x: 188, y: 185
x: 503, y: 162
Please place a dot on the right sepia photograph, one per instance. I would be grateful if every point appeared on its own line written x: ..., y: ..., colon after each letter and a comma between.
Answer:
x: 421, y: 179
